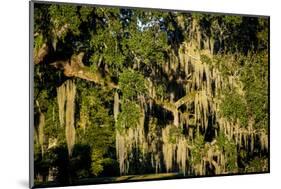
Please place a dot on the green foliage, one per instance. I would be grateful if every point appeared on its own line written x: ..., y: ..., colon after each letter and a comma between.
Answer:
x: 98, y: 131
x: 228, y: 147
x: 131, y: 84
x: 255, y: 80
x: 161, y: 90
x: 252, y: 71
x: 41, y: 19
x: 48, y: 106
x: 85, y: 12
x: 198, y: 150
x: 258, y: 164
x: 233, y: 33
x: 232, y: 20
x: 97, y: 160
x: 52, y: 127
x: 100, y: 162
x: 234, y: 107
x: 263, y: 33
x: 64, y: 16
x: 38, y: 42
x: 105, y: 45
x: 129, y: 117
x: 174, y: 134
x: 227, y: 64
x: 106, y: 39
x: 148, y: 46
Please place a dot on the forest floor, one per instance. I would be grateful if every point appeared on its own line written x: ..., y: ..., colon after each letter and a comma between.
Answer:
x: 104, y: 180
x: 131, y: 178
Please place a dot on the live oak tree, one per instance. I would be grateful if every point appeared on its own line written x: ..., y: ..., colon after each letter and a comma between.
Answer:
x: 145, y: 91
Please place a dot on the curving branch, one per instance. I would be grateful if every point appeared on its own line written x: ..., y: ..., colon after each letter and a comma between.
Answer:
x: 75, y: 68
x: 174, y: 106
x: 185, y: 99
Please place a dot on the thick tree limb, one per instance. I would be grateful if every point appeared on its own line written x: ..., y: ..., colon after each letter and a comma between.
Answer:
x: 186, y: 99
x: 174, y: 106
x: 75, y: 68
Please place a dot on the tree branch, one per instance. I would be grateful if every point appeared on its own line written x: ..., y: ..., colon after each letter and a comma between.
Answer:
x: 185, y: 99
x: 75, y: 68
